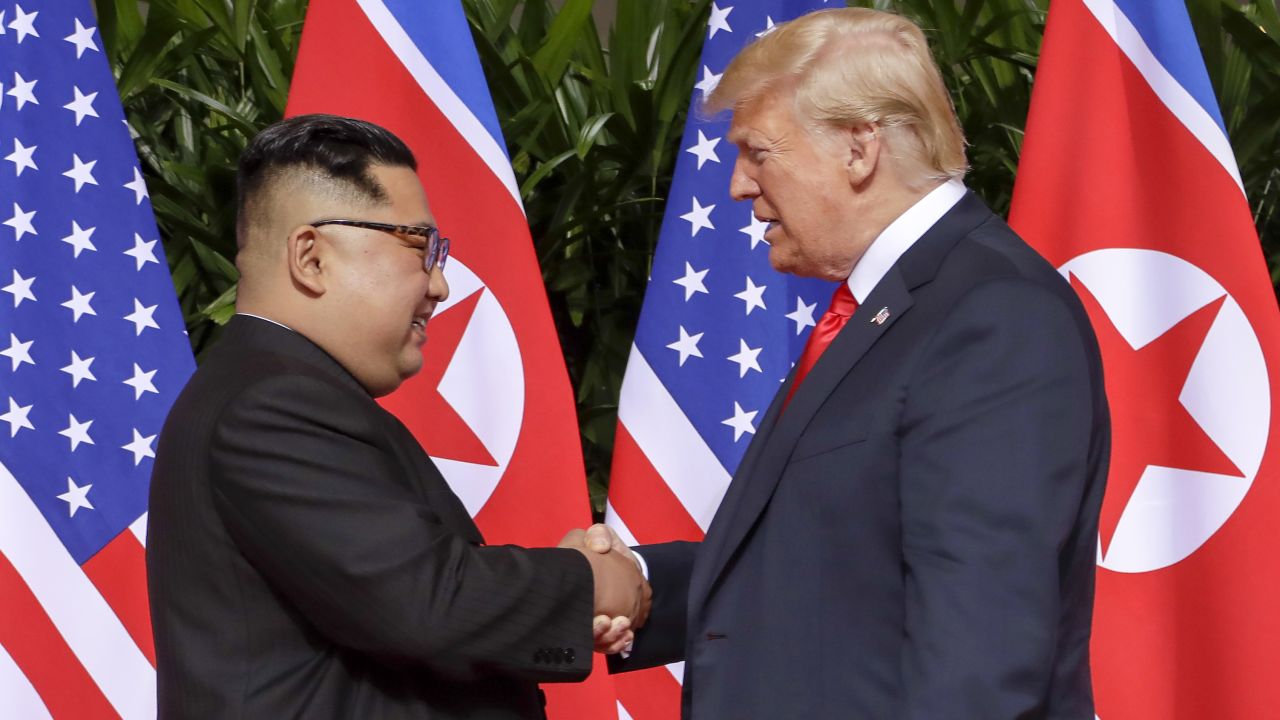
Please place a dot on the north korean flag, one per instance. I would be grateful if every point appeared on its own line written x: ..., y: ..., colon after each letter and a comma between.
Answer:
x: 1128, y: 184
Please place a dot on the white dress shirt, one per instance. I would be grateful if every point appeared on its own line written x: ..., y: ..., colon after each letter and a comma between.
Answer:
x: 900, y: 235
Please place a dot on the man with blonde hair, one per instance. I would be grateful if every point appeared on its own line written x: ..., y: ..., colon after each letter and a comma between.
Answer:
x: 911, y: 534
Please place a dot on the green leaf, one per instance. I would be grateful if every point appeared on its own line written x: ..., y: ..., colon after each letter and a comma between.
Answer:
x: 243, y: 123
x: 215, y: 262
x: 222, y: 308
x: 241, y: 22
x: 120, y: 25
x: 562, y: 37
x: 590, y: 132
x: 544, y: 170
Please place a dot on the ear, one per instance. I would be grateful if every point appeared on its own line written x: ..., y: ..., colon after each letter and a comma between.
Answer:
x: 864, y: 147
x: 305, y: 259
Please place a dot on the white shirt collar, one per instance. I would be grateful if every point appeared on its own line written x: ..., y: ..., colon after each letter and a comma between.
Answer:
x: 901, y: 234
x: 273, y: 322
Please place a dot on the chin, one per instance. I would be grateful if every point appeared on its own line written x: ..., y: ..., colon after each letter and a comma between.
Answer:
x: 792, y: 265
x: 409, y: 369
x: 392, y: 381
x: 781, y: 261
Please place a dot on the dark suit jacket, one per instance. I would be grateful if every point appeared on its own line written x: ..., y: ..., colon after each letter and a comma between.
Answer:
x: 914, y: 538
x: 307, y: 560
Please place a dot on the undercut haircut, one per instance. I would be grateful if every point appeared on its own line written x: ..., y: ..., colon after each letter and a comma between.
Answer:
x: 331, y: 149
x: 853, y: 66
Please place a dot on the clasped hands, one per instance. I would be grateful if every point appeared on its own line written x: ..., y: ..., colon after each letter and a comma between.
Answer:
x: 622, y: 595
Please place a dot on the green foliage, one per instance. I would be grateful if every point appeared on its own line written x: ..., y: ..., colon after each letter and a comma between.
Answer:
x: 198, y: 78
x: 593, y: 135
x: 593, y: 129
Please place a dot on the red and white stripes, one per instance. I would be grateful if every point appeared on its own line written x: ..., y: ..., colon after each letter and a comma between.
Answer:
x: 79, y: 637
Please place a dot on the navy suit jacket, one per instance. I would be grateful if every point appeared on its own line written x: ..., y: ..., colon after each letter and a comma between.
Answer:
x: 914, y: 537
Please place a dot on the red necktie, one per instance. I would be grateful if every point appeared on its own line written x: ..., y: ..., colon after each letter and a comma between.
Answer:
x: 842, y: 308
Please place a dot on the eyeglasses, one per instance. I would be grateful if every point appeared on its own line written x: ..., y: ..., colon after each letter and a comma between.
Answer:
x: 436, y: 250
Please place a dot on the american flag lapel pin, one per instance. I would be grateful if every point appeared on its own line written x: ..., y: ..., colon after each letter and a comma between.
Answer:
x: 881, y: 316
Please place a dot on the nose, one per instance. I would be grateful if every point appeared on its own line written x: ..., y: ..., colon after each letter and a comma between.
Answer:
x: 437, y: 285
x: 741, y: 185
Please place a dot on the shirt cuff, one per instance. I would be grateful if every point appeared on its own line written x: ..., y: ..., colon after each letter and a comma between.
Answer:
x: 644, y: 566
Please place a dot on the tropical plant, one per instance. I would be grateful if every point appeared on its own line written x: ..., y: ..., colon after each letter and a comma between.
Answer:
x: 592, y: 126
x: 593, y: 135
x: 198, y: 78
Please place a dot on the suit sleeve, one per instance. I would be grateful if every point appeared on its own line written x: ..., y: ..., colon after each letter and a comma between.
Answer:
x: 312, y: 499
x: 662, y: 639
x: 995, y: 448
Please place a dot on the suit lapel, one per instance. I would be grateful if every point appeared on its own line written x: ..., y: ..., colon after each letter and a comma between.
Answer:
x: 765, y: 460
x: 763, y: 464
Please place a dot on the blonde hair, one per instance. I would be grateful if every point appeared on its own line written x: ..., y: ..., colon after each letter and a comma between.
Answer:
x: 852, y: 66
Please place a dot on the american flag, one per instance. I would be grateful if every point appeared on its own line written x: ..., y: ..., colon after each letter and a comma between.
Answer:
x: 92, y: 354
x: 718, y: 333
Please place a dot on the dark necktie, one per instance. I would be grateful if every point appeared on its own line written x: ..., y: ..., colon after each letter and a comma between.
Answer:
x: 842, y: 308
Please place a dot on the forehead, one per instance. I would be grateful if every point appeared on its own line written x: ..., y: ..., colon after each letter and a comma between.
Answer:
x: 766, y: 116
x: 406, y: 199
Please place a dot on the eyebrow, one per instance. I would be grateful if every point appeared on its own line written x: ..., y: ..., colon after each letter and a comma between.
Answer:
x: 747, y: 136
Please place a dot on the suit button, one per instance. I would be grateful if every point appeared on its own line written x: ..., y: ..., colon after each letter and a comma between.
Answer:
x: 559, y: 656
x: 539, y: 656
x: 570, y: 656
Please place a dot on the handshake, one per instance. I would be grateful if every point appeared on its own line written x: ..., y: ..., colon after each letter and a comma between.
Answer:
x: 622, y: 595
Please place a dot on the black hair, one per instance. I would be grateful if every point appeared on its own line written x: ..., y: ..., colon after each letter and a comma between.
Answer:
x: 341, y: 148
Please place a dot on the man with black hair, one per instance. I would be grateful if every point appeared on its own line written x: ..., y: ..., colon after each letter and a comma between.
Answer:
x: 305, y: 558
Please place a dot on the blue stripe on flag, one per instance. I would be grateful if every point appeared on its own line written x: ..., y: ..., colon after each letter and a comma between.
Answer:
x: 443, y: 36
x: 1166, y: 29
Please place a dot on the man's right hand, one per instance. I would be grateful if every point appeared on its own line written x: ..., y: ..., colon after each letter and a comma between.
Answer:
x: 620, y: 588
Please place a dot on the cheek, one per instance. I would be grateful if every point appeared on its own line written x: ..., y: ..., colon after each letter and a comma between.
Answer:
x: 378, y: 299
x: 791, y: 194
x: 361, y: 277
x: 389, y: 276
